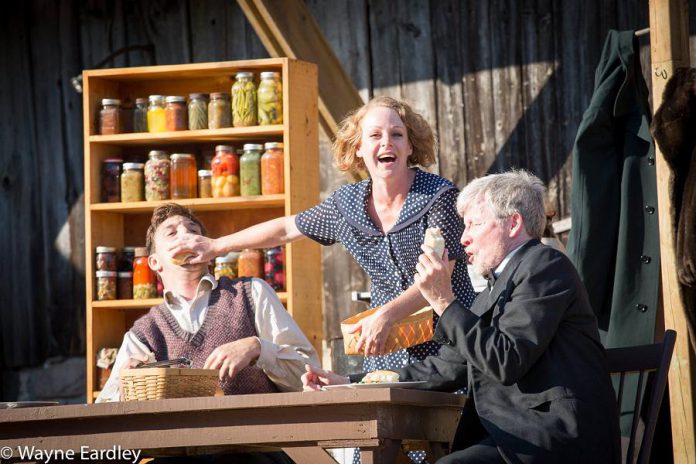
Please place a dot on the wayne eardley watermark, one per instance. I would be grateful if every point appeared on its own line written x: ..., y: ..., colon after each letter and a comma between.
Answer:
x: 85, y: 453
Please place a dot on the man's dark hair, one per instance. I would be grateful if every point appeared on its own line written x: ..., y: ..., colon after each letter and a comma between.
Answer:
x: 161, y: 214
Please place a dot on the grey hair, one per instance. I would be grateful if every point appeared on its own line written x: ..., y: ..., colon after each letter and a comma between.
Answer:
x: 516, y: 191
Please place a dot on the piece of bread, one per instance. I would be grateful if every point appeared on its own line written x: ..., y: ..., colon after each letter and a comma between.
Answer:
x: 434, y: 239
x: 380, y: 376
x: 181, y: 258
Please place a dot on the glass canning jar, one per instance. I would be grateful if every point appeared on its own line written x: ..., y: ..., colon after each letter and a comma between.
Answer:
x: 110, y: 116
x: 205, y: 184
x: 105, y: 258
x: 219, y: 112
x: 270, y: 99
x: 132, y: 182
x: 175, y: 113
x: 226, y: 266
x: 144, y: 280
x: 157, y: 176
x: 250, y: 169
x: 272, y: 173
x: 244, y: 100
x: 198, y: 111
x: 225, y: 168
x: 156, y: 120
x: 111, y: 180
x: 106, y: 285
x: 140, y: 115
x: 183, y: 179
x: 250, y: 263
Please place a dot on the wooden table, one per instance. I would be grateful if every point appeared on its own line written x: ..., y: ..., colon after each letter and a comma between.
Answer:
x: 379, y: 421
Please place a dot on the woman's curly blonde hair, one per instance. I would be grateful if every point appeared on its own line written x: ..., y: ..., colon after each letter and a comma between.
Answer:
x: 347, y: 141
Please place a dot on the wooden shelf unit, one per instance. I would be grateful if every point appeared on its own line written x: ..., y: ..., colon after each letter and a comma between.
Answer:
x: 125, y: 224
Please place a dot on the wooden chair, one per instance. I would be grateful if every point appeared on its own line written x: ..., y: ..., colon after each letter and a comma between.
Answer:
x: 643, y: 360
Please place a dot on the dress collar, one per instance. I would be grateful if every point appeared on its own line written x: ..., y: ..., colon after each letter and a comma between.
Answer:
x: 174, y: 301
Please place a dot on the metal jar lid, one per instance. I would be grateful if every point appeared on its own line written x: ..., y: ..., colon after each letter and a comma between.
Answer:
x: 216, y: 95
x: 244, y: 75
x: 224, y: 148
x: 205, y: 173
x: 156, y: 98
x: 140, y: 251
x: 105, y: 249
x: 158, y: 154
x: 252, y: 146
x: 273, y: 145
x: 230, y: 257
x: 175, y: 99
x: 133, y: 166
x: 199, y: 96
x: 179, y: 156
x: 113, y: 160
x: 110, y: 101
x: 105, y: 274
x: 125, y: 274
x: 270, y: 75
x: 140, y: 101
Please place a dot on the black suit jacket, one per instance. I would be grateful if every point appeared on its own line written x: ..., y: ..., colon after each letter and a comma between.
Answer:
x: 530, y: 354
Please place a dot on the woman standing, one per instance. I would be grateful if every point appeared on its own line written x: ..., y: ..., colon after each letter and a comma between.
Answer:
x: 381, y: 221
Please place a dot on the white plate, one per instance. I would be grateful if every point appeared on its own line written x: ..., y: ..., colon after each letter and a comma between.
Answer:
x: 414, y: 384
x: 26, y: 404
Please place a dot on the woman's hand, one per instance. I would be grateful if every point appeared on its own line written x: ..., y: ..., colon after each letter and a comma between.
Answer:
x: 202, y: 248
x: 433, y: 279
x: 315, y: 378
x: 374, y: 332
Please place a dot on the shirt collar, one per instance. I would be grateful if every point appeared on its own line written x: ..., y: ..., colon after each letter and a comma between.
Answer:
x: 498, y: 270
x: 174, y: 301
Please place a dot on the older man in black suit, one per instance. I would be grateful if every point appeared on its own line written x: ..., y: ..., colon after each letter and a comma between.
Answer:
x: 528, y: 350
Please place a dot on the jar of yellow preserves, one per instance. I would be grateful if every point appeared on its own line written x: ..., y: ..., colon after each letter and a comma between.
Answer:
x: 156, y: 118
x: 270, y: 99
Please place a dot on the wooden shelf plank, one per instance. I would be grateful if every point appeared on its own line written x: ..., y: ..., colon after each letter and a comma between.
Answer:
x: 203, y: 135
x: 149, y: 302
x: 196, y: 204
x: 180, y: 71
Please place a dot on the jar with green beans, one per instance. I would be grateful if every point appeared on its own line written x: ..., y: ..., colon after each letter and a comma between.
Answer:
x: 244, y: 100
x: 198, y: 111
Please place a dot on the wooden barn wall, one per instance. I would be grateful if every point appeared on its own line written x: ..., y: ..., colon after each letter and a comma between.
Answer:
x: 504, y: 83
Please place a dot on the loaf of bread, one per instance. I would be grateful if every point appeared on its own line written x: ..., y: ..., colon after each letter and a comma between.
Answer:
x: 380, y: 376
x: 434, y: 239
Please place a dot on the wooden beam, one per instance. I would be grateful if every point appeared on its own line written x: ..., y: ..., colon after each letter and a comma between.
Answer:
x: 669, y: 50
x: 288, y: 28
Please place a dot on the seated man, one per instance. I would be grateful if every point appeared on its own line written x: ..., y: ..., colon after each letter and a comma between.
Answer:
x: 237, y: 326
x: 528, y: 349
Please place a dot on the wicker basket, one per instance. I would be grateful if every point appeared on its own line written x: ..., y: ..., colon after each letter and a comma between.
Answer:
x: 412, y: 330
x: 158, y: 383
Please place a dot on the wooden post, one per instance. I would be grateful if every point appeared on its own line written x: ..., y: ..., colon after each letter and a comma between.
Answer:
x: 669, y: 49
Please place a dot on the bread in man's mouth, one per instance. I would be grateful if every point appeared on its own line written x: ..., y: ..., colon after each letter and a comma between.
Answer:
x: 434, y: 239
x: 380, y: 376
x: 180, y: 258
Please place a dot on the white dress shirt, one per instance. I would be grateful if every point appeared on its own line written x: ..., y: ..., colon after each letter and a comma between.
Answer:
x: 284, y: 348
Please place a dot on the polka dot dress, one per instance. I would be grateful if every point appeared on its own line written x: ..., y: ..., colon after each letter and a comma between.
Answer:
x: 390, y: 259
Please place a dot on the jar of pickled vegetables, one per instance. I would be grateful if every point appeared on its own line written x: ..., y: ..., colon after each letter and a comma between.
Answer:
x: 183, y: 176
x: 140, y: 115
x: 111, y: 180
x: 132, y: 182
x: 250, y: 169
x: 124, y: 285
x: 272, y: 173
x: 226, y: 266
x: 175, y: 116
x: 156, y: 120
x: 106, y: 285
x: 105, y: 258
x: 157, y: 176
x: 219, y: 112
x: 198, y: 111
x: 110, y: 116
x: 274, y: 269
x: 244, y: 100
x: 250, y: 264
x: 125, y: 262
x: 225, y: 168
x: 270, y: 99
x: 144, y: 280
x: 205, y: 183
